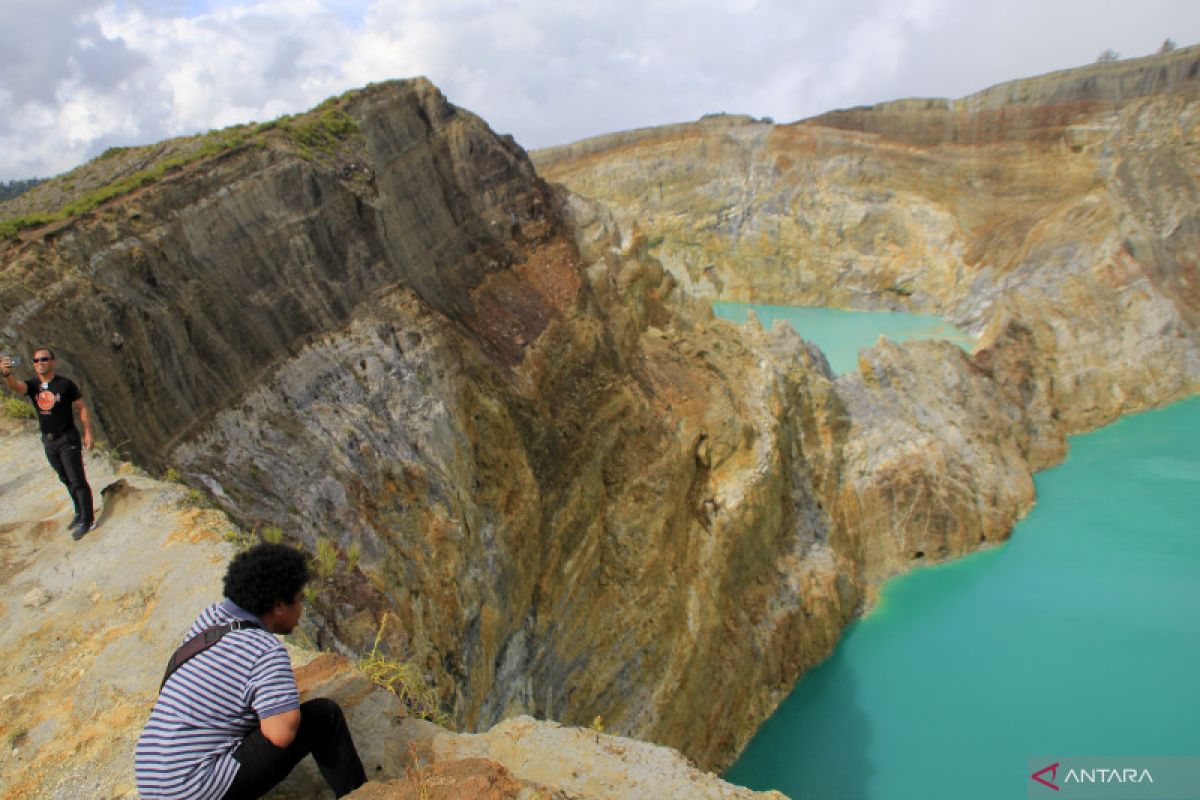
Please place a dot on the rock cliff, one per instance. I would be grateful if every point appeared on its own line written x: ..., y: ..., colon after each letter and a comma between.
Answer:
x: 492, y: 411
x: 1054, y: 216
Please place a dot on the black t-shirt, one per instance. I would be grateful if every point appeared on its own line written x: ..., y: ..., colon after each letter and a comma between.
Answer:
x: 53, y: 403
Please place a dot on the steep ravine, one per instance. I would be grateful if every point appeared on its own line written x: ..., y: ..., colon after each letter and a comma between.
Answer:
x: 578, y: 497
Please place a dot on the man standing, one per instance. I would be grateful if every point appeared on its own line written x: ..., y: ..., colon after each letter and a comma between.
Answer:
x: 55, y: 398
x: 228, y: 723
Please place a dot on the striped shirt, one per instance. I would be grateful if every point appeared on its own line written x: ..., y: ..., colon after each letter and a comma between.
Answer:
x: 208, y: 706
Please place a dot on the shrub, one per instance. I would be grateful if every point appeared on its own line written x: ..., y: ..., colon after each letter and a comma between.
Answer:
x: 403, y: 679
x: 272, y: 534
x: 323, y: 133
x: 17, y: 408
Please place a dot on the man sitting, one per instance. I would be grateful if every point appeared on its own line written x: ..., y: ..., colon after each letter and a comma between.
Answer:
x: 228, y: 723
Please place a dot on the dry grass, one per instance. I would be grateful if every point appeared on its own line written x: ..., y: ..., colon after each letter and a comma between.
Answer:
x: 403, y: 679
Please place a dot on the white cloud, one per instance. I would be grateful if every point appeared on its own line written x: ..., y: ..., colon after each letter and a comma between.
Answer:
x: 77, y: 76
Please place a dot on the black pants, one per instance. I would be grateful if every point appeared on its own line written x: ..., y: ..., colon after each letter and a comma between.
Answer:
x: 323, y: 732
x: 65, y: 454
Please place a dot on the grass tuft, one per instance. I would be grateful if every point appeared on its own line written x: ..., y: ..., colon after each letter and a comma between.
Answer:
x: 403, y: 679
x: 326, y: 558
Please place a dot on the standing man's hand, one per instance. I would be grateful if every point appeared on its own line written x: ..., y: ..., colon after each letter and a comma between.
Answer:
x: 6, y: 370
x: 85, y: 417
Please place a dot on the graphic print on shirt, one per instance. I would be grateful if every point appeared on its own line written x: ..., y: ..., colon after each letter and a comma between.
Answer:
x: 45, y: 400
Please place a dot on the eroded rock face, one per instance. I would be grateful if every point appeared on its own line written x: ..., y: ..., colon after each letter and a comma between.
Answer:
x: 1065, y: 206
x: 568, y: 493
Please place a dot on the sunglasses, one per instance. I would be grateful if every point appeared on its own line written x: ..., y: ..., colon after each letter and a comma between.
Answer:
x: 42, y: 360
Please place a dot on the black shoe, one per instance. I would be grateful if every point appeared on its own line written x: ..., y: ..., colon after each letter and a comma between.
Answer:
x: 74, y: 523
x: 81, y: 529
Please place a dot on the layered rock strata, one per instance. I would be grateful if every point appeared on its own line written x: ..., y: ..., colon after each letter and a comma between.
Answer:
x: 490, y: 415
x: 1058, y: 213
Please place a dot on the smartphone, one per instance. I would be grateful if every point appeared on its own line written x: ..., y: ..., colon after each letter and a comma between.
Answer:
x: 14, y: 361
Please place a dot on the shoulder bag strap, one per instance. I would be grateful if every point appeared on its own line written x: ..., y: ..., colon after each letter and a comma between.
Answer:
x: 201, y: 642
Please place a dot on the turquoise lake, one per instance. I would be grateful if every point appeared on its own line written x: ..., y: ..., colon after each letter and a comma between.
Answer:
x: 841, y: 334
x: 1078, y: 637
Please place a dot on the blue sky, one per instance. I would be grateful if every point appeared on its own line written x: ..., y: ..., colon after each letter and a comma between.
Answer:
x: 78, y: 76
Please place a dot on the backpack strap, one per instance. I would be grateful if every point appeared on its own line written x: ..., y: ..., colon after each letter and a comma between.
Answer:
x: 201, y: 642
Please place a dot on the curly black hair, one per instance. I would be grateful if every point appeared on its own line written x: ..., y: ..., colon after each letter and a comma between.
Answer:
x: 263, y: 574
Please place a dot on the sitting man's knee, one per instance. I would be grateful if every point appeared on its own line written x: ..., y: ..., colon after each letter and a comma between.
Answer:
x: 321, y: 708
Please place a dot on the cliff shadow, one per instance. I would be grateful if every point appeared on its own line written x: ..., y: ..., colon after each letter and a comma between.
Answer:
x: 816, y: 744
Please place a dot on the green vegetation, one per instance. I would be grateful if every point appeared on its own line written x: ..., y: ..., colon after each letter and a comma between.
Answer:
x: 272, y: 534
x: 403, y: 679
x: 353, y: 554
x: 214, y: 144
x: 240, y: 540
x: 11, y: 226
x: 172, y: 475
x: 322, y: 133
x: 17, y: 408
x: 326, y: 559
x: 109, y: 450
x: 319, y: 131
x: 110, y: 152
